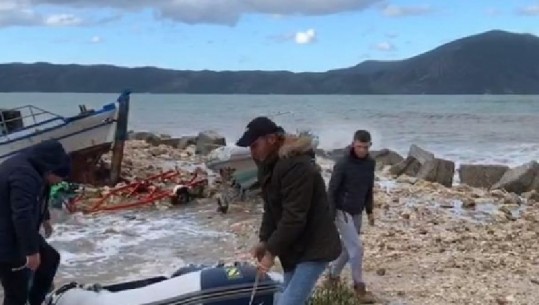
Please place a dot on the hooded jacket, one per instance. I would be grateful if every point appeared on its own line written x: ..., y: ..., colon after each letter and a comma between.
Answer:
x: 351, y: 184
x: 296, y: 224
x: 23, y: 196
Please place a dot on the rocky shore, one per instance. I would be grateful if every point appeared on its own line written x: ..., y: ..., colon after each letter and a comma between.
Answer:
x: 434, y: 242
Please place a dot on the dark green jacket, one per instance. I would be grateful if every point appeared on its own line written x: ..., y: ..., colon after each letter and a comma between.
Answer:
x: 297, y: 225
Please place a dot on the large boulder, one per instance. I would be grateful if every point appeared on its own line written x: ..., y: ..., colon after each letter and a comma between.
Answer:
x: 149, y: 137
x: 409, y: 166
x: 520, y: 179
x: 180, y: 143
x: 483, y: 176
x: 424, y: 165
x: 163, y: 139
x: 438, y: 170
x: 208, y: 141
x: 386, y: 157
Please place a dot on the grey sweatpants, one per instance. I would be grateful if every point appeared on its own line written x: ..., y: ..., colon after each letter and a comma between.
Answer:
x: 352, y: 251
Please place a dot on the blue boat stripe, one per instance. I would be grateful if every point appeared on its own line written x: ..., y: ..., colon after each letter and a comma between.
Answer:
x: 59, y: 138
x: 66, y: 121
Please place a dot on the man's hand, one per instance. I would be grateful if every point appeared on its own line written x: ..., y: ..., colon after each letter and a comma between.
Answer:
x: 266, y: 263
x: 33, y: 261
x: 47, y: 227
x: 371, y: 219
x: 258, y: 251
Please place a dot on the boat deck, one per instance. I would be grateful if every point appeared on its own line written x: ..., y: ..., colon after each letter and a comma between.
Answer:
x: 25, y: 120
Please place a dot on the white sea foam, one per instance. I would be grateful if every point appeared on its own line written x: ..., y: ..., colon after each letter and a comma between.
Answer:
x: 126, y: 244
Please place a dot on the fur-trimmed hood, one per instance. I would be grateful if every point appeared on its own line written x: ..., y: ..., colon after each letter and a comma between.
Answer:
x: 296, y: 145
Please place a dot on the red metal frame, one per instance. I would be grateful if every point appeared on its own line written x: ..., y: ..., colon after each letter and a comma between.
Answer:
x: 140, y: 193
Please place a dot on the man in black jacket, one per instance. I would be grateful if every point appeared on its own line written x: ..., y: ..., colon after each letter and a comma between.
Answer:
x: 27, y: 263
x: 350, y: 193
x: 296, y: 224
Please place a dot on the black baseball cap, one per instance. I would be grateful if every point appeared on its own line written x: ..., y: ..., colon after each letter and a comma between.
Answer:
x: 258, y: 127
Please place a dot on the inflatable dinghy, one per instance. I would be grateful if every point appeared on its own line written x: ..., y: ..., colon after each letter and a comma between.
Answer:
x: 190, y: 285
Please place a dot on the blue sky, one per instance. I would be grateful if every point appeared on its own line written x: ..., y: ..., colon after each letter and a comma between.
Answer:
x: 295, y: 35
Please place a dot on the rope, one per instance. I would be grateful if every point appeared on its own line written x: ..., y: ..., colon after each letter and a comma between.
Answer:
x: 255, y: 286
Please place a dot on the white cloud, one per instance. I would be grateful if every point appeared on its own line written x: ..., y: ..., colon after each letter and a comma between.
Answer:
x: 23, y: 13
x: 226, y: 12
x: 277, y: 16
x: 8, y: 5
x: 63, y: 20
x: 15, y: 12
x: 492, y: 11
x: 531, y: 10
x: 392, y: 10
x: 384, y: 46
x: 306, y: 37
x: 96, y: 39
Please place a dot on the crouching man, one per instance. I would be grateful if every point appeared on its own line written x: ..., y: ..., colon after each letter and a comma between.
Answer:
x: 28, y: 264
x: 296, y: 223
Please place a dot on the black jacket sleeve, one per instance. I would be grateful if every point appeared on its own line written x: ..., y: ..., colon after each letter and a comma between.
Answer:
x: 335, y: 186
x: 46, y: 198
x: 369, y: 201
x: 24, y: 192
x: 46, y: 214
x: 267, y: 226
x: 297, y: 182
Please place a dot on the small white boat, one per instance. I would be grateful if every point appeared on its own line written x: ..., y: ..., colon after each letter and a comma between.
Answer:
x: 235, y: 158
x: 85, y: 136
x: 191, y: 285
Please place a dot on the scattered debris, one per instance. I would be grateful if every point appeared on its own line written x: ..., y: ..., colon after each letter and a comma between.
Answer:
x: 148, y: 191
x: 431, y: 244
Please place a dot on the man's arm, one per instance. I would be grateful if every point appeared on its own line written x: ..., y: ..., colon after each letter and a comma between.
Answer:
x: 297, y: 189
x: 335, y: 185
x: 369, y: 201
x: 267, y: 226
x: 24, y: 191
x: 46, y: 199
x: 46, y: 214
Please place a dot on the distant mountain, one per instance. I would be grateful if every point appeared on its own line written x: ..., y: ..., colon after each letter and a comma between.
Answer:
x: 368, y: 67
x: 495, y: 62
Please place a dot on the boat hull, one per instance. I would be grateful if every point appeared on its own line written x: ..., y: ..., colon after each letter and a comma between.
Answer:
x: 79, y: 134
x: 85, y: 138
x: 220, y: 285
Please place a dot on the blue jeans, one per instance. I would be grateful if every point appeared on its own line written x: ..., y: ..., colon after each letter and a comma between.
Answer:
x: 299, y: 283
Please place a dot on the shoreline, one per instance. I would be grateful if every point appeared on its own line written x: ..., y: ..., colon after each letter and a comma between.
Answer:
x: 430, y: 244
x: 433, y: 244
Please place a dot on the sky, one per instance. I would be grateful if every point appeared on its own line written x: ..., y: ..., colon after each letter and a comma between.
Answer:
x: 294, y: 35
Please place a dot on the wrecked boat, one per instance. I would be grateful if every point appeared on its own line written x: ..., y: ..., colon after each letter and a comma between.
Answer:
x: 237, y: 168
x: 227, y: 157
x: 237, y: 284
x: 86, y: 136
